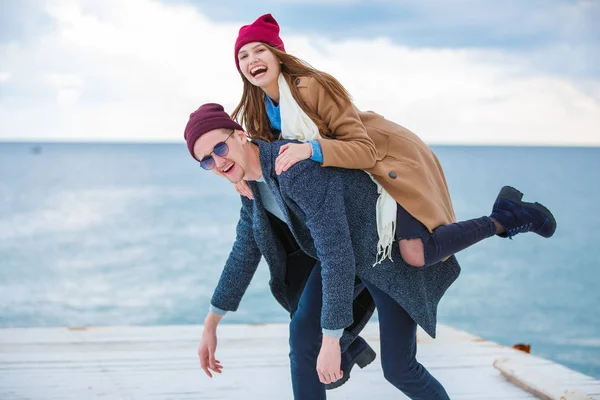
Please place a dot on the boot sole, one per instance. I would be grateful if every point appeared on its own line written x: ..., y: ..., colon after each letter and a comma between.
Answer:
x: 512, y: 194
x: 366, y: 357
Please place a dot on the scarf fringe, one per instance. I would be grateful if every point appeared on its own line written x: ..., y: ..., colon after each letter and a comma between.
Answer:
x: 386, y: 241
x: 386, y: 210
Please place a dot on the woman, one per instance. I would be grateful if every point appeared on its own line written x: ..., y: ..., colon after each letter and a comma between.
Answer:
x: 284, y: 97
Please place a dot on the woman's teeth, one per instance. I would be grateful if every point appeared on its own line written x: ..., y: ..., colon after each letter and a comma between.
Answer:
x: 258, y: 70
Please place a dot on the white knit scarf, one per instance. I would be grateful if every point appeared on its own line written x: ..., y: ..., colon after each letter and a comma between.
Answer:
x: 296, y: 125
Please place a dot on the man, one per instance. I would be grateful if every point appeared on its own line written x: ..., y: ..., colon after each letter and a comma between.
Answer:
x: 290, y: 267
x: 330, y: 213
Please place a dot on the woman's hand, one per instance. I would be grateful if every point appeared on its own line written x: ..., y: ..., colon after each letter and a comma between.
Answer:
x: 290, y: 154
x: 329, y: 361
x: 242, y: 188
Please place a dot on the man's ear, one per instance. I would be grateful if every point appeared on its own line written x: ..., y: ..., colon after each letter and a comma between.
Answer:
x: 241, y: 136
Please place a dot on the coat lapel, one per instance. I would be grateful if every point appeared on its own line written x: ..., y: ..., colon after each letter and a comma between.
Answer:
x: 297, y: 227
x: 259, y: 213
x: 267, y: 163
x: 266, y: 240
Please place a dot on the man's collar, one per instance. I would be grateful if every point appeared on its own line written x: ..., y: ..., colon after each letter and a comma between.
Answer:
x: 265, y: 155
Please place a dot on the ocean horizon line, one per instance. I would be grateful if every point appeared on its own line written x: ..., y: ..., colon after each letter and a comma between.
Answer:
x: 34, y: 142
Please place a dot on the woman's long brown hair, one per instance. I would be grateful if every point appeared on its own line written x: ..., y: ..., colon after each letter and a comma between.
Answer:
x: 251, y: 112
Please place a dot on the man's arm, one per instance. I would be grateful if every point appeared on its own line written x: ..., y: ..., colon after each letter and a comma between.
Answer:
x: 235, y: 278
x: 208, y: 345
x: 240, y: 266
x: 318, y: 192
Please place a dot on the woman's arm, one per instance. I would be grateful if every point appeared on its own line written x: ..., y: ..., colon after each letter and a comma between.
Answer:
x: 352, y: 146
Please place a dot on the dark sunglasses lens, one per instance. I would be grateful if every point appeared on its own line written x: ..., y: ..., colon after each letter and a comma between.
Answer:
x: 221, y: 149
x: 207, y: 163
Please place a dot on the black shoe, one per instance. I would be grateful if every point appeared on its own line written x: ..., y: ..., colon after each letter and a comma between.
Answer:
x: 517, y: 216
x: 359, y: 353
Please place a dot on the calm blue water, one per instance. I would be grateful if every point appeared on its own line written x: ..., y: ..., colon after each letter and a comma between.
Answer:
x: 106, y: 234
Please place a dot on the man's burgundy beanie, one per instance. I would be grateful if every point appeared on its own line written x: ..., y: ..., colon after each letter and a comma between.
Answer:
x: 265, y: 29
x: 206, y: 118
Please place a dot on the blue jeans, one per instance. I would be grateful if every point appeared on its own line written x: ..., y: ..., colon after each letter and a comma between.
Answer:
x: 398, y: 337
x: 445, y: 240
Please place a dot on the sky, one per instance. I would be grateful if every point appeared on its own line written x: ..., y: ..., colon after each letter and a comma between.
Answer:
x: 453, y: 71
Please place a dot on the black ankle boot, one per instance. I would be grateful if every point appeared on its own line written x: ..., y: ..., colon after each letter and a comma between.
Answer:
x: 517, y: 216
x: 359, y: 353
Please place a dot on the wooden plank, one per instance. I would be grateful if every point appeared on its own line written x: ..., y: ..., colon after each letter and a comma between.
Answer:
x: 161, y: 363
x: 532, y: 380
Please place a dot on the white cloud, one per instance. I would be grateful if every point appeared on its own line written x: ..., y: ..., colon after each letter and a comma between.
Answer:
x: 68, y: 87
x: 66, y: 97
x: 64, y: 80
x: 134, y: 70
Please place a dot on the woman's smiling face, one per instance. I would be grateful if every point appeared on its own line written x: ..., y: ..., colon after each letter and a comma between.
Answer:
x: 259, y: 65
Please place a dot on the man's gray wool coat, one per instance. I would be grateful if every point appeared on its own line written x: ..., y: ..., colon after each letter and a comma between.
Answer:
x: 331, y: 213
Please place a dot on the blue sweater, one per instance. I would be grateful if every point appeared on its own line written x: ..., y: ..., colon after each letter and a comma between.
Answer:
x: 274, y: 115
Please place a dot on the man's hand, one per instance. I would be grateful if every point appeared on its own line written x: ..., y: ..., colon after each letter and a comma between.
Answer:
x: 242, y: 188
x: 330, y: 360
x: 290, y: 154
x: 208, y: 345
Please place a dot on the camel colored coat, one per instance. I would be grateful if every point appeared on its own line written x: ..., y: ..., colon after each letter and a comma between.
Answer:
x: 405, y: 166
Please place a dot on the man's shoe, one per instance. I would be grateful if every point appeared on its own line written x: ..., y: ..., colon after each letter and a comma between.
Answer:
x: 517, y: 216
x: 359, y: 353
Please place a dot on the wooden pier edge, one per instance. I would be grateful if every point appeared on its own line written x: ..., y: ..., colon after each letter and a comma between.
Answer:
x: 161, y: 363
x: 535, y: 383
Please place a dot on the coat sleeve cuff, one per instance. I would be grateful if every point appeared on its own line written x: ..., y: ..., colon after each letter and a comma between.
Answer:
x: 317, y: 152
x: 334, y: 333
x: 217, y: 310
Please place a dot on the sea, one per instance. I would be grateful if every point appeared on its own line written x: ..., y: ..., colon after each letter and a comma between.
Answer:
x: 137, y: 234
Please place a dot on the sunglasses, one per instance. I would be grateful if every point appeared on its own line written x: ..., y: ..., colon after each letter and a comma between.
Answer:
x: 221, y: 149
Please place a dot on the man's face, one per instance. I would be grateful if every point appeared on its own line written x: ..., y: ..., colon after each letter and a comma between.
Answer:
x: 233, y: 165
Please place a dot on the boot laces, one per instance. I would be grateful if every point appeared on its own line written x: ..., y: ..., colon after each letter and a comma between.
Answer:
x: 520, y: 229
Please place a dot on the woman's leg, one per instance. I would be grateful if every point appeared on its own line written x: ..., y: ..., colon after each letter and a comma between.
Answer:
x: 398, y: 335
x: 421, y: 248
x: 510, y: 216
x: 305, y: 340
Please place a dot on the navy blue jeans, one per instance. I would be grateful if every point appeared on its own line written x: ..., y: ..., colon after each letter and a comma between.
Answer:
x: 445, y: 240
x: 397, y: 332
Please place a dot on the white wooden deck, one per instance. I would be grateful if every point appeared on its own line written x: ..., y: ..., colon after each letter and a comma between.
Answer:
x: 161, y: 363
